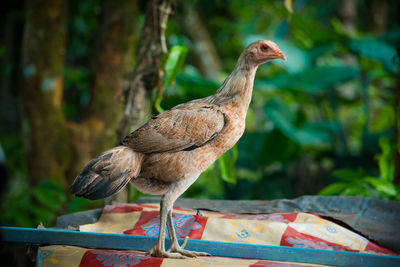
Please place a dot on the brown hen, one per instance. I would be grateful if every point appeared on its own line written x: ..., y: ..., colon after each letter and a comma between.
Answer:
x: 167, y: 154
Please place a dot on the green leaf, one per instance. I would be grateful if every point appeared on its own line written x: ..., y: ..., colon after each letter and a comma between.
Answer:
x: 381, y: 185
x: 324, y: 77
x: 157, y: 104
x: 354, y: 190
x: 386, y: 165
x: 313, y: 134
x: 49, y: 194
x: 302, y: 27
x: 42, y: 215
x: 284, y: 119
x: 251, y: 147
x: 277, y: 147
x: 226, y: 165
x: 376, y: 49
x: 174, y: 63
x: 279, y: 112
x: 235, y: 153
x: 349, y: 175
x: 333, y: 189
x: 384, y: 119
x: 313, y: 80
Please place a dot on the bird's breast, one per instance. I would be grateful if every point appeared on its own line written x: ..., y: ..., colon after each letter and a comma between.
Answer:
x: 176, y: 166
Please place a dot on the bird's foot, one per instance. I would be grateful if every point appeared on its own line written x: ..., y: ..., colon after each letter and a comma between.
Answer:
x: 176, y: 248
x: 188, y: 253
x: 157, y: 252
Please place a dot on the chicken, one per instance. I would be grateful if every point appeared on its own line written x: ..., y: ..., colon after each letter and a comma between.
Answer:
x: 168, y: 153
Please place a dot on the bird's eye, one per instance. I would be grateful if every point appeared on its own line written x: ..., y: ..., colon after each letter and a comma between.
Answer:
x: 264, y: 47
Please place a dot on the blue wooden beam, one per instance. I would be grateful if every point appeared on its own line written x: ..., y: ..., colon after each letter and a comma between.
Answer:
x: 222, y: 249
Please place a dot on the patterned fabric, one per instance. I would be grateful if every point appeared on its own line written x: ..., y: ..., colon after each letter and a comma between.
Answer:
x: 300, y: 230
x: 117, y: 259
x: 68, y: 256
x: 185, y: 225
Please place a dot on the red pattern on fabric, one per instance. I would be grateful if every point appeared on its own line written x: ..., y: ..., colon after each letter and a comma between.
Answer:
x: 115, y: 258
x: 372, y: 247
x: 148, y: 225
x: 292, y: 238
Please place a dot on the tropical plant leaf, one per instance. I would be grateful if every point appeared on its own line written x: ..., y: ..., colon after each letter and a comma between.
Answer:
x: 313, y: 80
x: 386, y: 165
x: 316, y: 32
x: 381, y: 185
x: 196, y: 86
x: 277, y: 147
x: 354, y: 190
x: 284, y: 119
x: 333, y: 189
x: 49, y: 194
x: 378, y: 50
x: 349, y: 175
x: 226, y: 165
x: 174, y: 63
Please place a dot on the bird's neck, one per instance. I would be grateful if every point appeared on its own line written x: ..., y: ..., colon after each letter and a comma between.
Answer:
x: 237, y: 89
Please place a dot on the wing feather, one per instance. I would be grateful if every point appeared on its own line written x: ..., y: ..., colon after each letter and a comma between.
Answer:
x: 186, y: 126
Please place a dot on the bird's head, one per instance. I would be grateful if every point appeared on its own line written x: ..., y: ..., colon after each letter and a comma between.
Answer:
x: 262, y: 51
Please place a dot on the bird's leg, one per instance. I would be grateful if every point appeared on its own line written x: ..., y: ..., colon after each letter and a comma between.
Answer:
x: 166, y: 205
x: 159, y: 249
x: 172, y: 232
x: 171, y: 229
x: 175, y: 247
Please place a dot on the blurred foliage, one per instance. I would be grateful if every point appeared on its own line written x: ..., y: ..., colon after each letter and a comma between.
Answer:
x: 324, y: 114
x: 359, y: 183
x: 173, y: 63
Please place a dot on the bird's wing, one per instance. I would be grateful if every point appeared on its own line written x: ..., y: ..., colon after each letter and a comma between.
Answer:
x: 185, y: 127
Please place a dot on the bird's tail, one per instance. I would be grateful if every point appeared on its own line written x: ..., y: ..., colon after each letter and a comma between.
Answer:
x: 108, y: 173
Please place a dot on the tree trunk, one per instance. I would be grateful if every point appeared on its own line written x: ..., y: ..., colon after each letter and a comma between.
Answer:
x: 379, y: 15
x: 348, y: 14
x: 42, y: 89
x: 147, y: 75
x: 148, y: 72
x: 58, y: 149
x: 206, y: 55
x: 11, y: 25
x: 111, y: 65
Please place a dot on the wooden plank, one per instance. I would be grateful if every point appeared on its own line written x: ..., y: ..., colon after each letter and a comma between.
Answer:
x: 222, y: 249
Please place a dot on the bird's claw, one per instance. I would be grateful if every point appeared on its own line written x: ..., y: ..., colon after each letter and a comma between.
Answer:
x: 157, y: 252
x: 176, y: 251
x: 188, y: 253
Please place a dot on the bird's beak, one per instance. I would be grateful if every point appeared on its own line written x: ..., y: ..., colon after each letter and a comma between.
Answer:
x: 278, y: 54
x: 281, y: 55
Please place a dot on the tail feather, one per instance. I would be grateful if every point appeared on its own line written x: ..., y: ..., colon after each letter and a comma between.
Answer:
x: 108, y: 173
